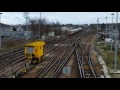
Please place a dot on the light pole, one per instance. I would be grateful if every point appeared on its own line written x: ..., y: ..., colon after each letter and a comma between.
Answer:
x: 97, y: 27
x: 26, y: 16
x: 106, y: 31
x: 26, y: 29
x: 116, y: 46
x: 111, y: 31
x: 39, y: 25
x: 106, y: 24
x: 0, y: 30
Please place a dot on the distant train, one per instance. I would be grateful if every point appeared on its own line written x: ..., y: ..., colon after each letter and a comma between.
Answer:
x: 73, y: 31
x: 34, y: 51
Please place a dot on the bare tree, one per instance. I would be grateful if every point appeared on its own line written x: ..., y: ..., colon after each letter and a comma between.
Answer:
x: 58, y: 30
x: 45, y: 25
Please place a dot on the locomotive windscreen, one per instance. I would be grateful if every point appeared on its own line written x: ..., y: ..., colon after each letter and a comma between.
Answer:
x: 30, y: 49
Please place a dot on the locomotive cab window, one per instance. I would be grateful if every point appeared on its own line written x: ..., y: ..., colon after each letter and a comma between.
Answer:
x: 30, y: 49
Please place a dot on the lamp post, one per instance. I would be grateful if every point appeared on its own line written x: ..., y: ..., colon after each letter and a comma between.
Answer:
x: 106, y: 31
x: 116, y: 46
x: 0, y: 30
x: 97, y: 27
x: 111, y: 31
x: 106, y: 24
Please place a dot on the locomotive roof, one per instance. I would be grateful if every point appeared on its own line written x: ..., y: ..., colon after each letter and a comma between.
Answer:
x: 36, y: 43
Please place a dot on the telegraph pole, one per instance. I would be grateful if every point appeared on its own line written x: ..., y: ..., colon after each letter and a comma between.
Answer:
x: 116, y: 46
x: 26, y: 16
x: 39, y: 25
x: 26, y: 30
x: 0, y: 30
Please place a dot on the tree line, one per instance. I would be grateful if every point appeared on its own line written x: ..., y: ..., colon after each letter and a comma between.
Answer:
x: 45, y: 25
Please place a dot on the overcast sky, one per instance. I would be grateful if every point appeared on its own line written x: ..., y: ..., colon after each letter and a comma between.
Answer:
x: 62, y: 17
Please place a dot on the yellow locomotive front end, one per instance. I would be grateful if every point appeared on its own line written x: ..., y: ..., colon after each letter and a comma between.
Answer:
x: 29, y: 52
x: 34, y: 51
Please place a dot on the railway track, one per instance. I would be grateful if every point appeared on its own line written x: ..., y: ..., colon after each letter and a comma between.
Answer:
x: 54, y: 49
x: 58, y: 54
x: 80, y: 62
x: 56, y: 58
x: 56, y: 72
x: 84, y: 57
x: 8, y: 59
x: 85, y: 64
x: 58, y: 63
x: 60, y: 66
x: 13, y: 57
x: 54, y: 41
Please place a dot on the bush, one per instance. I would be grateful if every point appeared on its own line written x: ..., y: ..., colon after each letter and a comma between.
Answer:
x: 9, y: 42
x: 107, y: 48
x: 109, y: 58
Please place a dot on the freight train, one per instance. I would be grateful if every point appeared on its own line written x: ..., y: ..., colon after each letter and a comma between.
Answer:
x: 73, y: 31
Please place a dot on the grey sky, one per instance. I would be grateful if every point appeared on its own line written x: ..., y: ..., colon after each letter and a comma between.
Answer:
x: 63, y: 17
